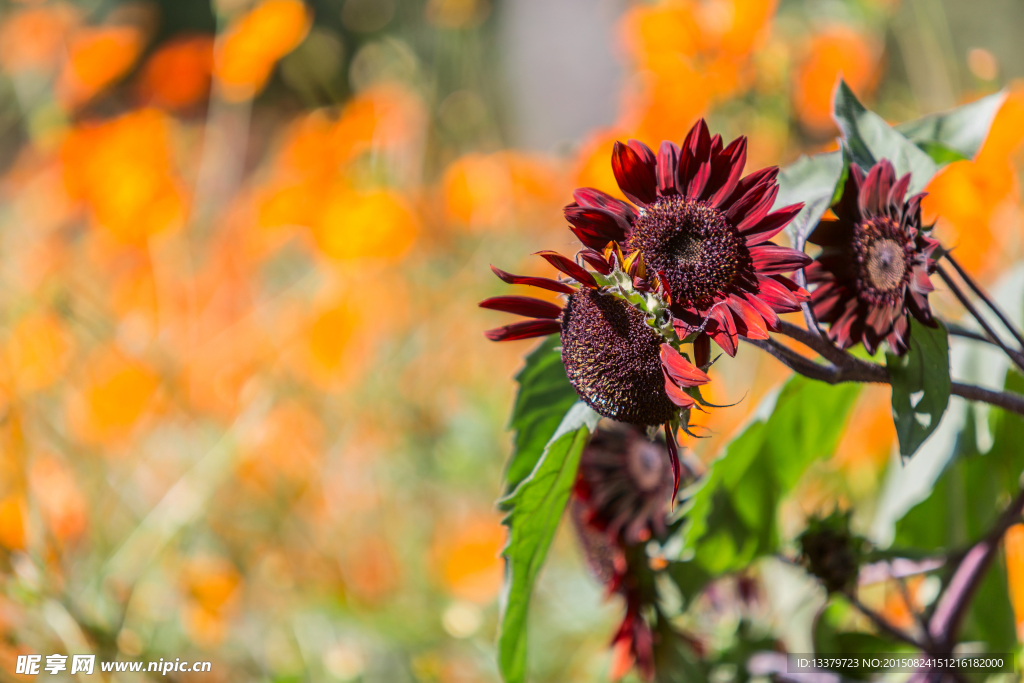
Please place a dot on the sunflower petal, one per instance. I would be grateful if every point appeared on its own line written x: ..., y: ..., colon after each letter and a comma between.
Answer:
x: 726, y: 169
x: 668, y: 161
x: 524, y: 306
x: 830, y: 233
x: 899, y: 338
x: 695, y: 160
x: 748, y: 318
x: 758, y: 211
x: 541, y: 282
x: 569, y: 267
x: 673, y: 458
x: 676, y: 394
x: 771, y: 225
x: 602, y: 222
x: 646, y: 155
x: 747, y: 183
x: 636, y: 179
x: 596, y: 199
x: 776, y: 295
x: 524, y: 330
x: 751, y: 202
x: 897, y: 193
x: 596, y: 260
x: 770, y: 259
x: 727, y: 335
x: 702, y: 350
x: 682, y: 371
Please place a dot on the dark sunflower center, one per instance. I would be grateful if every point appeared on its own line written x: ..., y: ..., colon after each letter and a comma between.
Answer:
x: 612, y: 359
x: 694, y: 245
x: 886, y: 265
x: 645, y: 464
x: 883, y: 259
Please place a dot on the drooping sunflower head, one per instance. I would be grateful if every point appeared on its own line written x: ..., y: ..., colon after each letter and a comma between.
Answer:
x: 872, y: 273
x: 619, y: 365
x: 626, y: 483
x: 612, y: 358
x: 703, y: 229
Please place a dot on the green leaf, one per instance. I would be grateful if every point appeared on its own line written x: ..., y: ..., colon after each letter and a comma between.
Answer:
x: 920, y: 385
x: 960, y: 131
x: 534, y: 510
x: 544, y: 397
x: 813, y: 181
x: 733, y: 516
x: 939, y: 153
x: 870, y: 139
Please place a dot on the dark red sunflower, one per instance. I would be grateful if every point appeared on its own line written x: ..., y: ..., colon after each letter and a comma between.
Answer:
x: 704, y: 230
x: 872, y: 273
x: 618, y: 364
x: 625, y: 482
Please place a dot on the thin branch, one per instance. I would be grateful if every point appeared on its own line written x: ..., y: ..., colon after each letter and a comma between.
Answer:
x: 882, y: 625
x: 810, y: 319
x: 986, y: 298
x: 1006, y: 400
x: 815, y: 342
x: 959, y: 331
x: 966, y: 302
x: 952, y: 605
x: 794, y: 361
x: 862, y: 371
x: 852, y: 369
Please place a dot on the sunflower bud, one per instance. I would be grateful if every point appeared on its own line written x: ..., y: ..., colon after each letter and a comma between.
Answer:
x: 831, y: 552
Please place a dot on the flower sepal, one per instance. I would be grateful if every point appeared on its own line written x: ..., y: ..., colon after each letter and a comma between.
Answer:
x: 620, y: 284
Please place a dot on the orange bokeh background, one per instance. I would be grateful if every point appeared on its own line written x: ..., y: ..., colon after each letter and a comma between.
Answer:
x: 248, y: 411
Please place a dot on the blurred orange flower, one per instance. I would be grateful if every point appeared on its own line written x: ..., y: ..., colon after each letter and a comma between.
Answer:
x: 329, y: 351
x: 211, y: 584
x: 370, y: 569
x: 122, y: 169
x: 218, y: 374
x: 117, y: 392
x: 689, y: 55
x: 178, y: 74
x: 739, y: 26
x: 1013, y: 543
x: 33, y: 38
x: 375, y: 224
x: 383, y: 117
x: 286, y: 446
x: 13, y: 518
x: 870, y: 434
x: 39, y: 349
x: 97, y: 56
x: 970, y: 199
x: 672, y: 90
x: 467, y: 553
x: 834, y: 51
x: 61, y: 502
x: 481, y: 190
x: 254, y: 43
